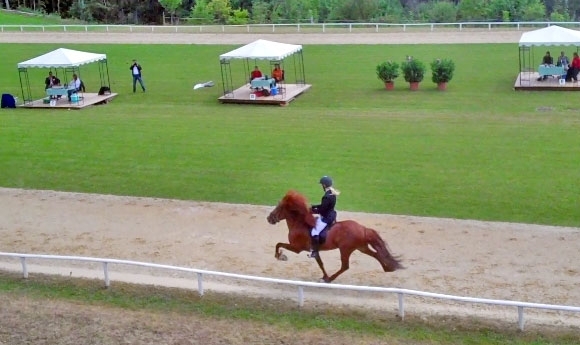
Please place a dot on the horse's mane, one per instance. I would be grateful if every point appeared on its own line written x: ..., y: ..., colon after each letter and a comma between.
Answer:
x: 297, y: 205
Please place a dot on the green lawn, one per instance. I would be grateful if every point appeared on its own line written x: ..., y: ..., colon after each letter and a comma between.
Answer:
x: 479, y: 150
x: 22, y: 18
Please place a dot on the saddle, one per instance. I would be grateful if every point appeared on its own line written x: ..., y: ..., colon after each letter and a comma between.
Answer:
x: 324, y: 232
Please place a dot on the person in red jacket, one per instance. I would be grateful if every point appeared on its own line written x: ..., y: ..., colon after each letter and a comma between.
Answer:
x: 572, y: 73
x: 256, y: 73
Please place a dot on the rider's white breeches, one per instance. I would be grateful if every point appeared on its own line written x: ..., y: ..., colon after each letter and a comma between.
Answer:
x: 320, y: 225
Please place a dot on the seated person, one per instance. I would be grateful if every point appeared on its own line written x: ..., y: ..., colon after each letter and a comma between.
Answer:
x: 277, y: 73
x: 563, y: 62
x: 546, y: 60
x: 256, y: 73
x: 74, y: 86
x: 572, y: 73
x: 50, y: 81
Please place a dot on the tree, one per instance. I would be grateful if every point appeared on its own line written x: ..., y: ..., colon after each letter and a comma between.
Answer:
x: 220, y: 9
x: 260, y: 12
x: 534, y: 10
x: 200, y: 13
x: 239, y: 17
x: 357, y: 10
x: 443, y: 12
x: 472, y: 10
x: 170, y: 6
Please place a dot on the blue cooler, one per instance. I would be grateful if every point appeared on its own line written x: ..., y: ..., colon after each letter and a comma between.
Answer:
x: 274, y: 91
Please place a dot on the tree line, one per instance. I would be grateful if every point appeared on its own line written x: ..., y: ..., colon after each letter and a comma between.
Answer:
x: 300, y: 11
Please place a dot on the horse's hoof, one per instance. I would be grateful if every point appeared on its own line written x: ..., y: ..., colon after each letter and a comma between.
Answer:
x: 282, y: 257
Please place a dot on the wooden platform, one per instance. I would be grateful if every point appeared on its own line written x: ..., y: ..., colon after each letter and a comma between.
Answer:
x: 63, y: 103
x: 529, y: 81
x: 288, y: 92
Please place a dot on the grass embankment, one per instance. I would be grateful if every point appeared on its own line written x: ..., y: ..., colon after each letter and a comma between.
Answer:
x: 73, y: 311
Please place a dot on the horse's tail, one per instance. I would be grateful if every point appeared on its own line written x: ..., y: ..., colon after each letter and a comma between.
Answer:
x: 389, y: 262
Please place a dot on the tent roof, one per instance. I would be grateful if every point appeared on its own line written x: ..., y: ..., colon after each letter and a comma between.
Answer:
x: 264, y: 50
x: 551, y: 36
x: 62, y: 58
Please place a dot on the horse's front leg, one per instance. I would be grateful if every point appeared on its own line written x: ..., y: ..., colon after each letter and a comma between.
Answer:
x: 321, y: 265
x: 278, y: 254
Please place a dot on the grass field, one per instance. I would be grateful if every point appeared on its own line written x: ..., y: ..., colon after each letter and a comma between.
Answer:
x: 479, y: 150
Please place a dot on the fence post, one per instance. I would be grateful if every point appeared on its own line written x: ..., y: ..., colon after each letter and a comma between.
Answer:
x: 300, y: 296
x: 431, y: 27
x: 24, y: 268
x: 404, y: 27
x: 106, y: 269
x: 401, y: 306
x: 323, y: 27
x: 521, y: 317
x: 200, y: 284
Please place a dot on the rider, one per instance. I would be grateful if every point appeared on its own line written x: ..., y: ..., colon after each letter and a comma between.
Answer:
x: 326, y: 212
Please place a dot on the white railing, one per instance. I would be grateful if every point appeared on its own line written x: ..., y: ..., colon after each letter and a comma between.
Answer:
x: 287, y: 28
x: 299, y: 284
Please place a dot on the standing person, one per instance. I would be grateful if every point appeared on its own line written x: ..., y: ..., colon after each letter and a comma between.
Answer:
x: 326, y: 212
x: 136, y: 72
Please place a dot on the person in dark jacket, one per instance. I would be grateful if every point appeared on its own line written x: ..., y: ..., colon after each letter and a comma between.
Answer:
x: 136, y: 72
x: 326, y: 211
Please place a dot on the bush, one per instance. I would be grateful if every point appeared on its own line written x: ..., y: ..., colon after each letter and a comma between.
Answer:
x: 413, y: 70
x: 442, y: 70
x: 388, y: 71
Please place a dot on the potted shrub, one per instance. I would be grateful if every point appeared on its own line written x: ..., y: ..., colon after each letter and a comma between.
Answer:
x: 442, y: 72
x: 413, y: 71
x: 387, y: 72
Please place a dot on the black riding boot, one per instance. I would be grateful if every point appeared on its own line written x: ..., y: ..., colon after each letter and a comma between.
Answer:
x: 315, y: 244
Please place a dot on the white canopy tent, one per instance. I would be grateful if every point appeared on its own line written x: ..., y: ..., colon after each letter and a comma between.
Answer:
x: 62, y: 57
x: 274, y: 52
x: 67, y: 59
x: 263, y: 50
x: 549, y: 36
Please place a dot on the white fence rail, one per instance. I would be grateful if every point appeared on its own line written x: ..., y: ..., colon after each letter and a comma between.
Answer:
x: 288, y: 28
x: 299, y: 284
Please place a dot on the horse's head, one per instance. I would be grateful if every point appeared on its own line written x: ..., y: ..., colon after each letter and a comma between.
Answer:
x: 293, y: 207
x: 276, y: 215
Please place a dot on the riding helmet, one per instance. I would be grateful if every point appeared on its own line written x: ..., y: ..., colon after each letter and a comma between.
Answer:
x: 326, y: 181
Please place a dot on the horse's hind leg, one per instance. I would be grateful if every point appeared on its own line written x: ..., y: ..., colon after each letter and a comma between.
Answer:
x: 374, y: 254
x: 344, y: 259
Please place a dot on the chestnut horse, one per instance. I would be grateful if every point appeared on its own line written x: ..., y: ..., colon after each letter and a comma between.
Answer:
x: 347, y: 236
